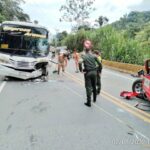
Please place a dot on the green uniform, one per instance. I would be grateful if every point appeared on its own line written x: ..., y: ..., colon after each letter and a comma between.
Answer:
x: 99, y: 77
x: 90, y: 69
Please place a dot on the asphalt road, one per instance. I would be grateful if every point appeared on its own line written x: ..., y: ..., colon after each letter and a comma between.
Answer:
x: 51, y: 115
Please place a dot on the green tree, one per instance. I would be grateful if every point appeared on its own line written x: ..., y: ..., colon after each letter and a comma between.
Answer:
x: 11, y: 10
x: 75, y: 40
x: 134, y: 18
x: 102, y: 20
x: 143, y: 38
x: 2, y: 18
x: 85, y: 27
x: 76, y: 10
x: 129, y: 44
x: 60, y: 36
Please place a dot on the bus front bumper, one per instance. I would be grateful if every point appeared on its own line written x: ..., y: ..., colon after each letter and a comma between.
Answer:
x: 6, y: 71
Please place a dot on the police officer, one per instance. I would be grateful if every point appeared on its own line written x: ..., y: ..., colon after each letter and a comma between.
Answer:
x: 98, y: 55
x: 90, y: 72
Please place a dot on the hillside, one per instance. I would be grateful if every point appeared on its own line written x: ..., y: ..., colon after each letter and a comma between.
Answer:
x: 134, y: 19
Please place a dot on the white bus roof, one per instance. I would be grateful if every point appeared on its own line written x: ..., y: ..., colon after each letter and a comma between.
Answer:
x: 29, y: 24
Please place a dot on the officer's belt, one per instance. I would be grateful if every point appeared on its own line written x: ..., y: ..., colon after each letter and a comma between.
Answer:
x: 91, y: 70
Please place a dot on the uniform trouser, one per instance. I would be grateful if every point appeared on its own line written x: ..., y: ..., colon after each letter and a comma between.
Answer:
x: 90, y: 85
x: 98, y: 82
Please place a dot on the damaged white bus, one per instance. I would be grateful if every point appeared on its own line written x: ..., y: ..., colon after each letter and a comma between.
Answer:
x: 24, y: 50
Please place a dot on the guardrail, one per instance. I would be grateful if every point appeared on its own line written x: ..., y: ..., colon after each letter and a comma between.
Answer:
x: 123, y: 67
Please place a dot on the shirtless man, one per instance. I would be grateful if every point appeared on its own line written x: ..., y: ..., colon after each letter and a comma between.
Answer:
x: 76, y: 59
x: 62, y: 62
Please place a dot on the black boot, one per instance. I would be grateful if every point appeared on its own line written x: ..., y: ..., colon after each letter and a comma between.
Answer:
x: 94, y: 97
x: 88, y: 103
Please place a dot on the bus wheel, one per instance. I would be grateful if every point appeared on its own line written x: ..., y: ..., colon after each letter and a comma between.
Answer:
x: 44, y: 71
x: 44, y: 76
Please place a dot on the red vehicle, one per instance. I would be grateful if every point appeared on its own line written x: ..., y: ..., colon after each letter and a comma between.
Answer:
x: 140, y: 87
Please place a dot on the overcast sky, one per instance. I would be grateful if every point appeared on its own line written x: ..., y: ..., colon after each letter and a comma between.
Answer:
x: 47, y: 11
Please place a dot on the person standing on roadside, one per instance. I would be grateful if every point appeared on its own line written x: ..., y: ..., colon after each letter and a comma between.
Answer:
x: 99, y: 70
x: 76, y: 59
x: 90, y: 72
x: 62, y: 62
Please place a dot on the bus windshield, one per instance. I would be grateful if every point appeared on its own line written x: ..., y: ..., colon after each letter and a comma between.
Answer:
x: 24, y: 40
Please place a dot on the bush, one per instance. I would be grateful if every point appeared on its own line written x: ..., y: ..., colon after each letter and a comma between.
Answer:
x: 114, y: 44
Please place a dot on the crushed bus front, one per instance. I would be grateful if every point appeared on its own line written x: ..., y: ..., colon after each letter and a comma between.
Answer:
x: 24, y: 50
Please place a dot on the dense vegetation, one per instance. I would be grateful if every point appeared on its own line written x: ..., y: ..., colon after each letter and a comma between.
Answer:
x: 11, y: 10
x: 127, y: 40
x: 134, y: 20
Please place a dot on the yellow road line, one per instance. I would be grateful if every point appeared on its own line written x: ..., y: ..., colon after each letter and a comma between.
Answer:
x: 111, y: 115
x: 125, y: 106
x: 116, y: 99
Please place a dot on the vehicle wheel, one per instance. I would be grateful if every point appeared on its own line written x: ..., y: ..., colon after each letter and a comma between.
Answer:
x: 137, y: 87
x: 47, y: 72
x: 44, y: 71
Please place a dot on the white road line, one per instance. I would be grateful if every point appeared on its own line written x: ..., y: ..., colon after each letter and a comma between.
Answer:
x: 145, y: 137
x: 112, y: 116
x: 2, y: 86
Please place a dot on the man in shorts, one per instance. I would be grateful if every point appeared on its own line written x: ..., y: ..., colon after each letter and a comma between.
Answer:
x: 76, y: 59
x: 62, y: 62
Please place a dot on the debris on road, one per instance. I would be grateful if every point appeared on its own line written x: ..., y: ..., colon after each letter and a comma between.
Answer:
x: 128, y: 95
x: 143, y: 106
